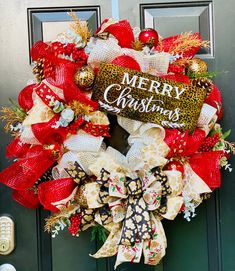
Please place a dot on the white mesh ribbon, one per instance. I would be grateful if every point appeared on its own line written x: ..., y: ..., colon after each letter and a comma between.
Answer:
x: 137, y: 55
x: 83, y: 142
x: 83, y: 148
x: 104, y: 51
x: 158, y: 62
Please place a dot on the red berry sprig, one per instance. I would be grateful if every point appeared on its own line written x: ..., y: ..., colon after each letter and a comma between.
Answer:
x: 177, y: 69
x: 74, y: 227
x: 78, y: 54
x: 209, y: 143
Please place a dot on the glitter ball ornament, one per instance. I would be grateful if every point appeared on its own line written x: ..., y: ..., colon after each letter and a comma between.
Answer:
x: 196, y: 65
x: 84, y: 77
x: 149, y: 37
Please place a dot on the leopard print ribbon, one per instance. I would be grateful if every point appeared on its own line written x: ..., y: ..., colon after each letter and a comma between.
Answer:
x: 136, y: 226
x: 76, y: 172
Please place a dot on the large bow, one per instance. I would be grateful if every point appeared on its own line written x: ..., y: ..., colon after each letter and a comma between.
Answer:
x: 138, y: 193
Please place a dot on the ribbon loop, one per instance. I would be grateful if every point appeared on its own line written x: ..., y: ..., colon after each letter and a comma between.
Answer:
x: 134, y: 186
x: 76, y: 172
x: 137, y: 225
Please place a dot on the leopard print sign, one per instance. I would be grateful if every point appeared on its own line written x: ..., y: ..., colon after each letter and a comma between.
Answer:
x: 148, y: 98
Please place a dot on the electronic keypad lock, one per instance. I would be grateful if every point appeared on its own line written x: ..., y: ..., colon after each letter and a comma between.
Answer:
x: 7, y: 235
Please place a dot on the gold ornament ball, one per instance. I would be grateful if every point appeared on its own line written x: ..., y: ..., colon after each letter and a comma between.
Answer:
x: 197, y: 65
x: 84, y: 77
x: 81, y: 197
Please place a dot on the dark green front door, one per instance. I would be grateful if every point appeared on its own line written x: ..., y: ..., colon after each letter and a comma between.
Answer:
x: 207, y: 242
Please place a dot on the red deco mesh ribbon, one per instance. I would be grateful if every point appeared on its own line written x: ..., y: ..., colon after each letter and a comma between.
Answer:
x: 169, y: 44
x: 183, y: 144
x: 27, y: 198
x: 16, y: 149
x: 127, y: 62
x: 26, y: 171
x: 64, y: 79
x: 46, y: 134
x: 206, y: 165
x: 63, y: 76
x: 96, y: 129
x: 122, y: 31
x: 25, y: 99
x: 53, y: 191
x: 41, y: 49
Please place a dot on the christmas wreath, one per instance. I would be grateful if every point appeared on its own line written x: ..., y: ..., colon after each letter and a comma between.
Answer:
x: 165, y: 101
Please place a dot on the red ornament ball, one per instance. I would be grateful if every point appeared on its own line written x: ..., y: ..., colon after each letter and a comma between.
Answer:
x: 149, y: 37
x: 175, y: 165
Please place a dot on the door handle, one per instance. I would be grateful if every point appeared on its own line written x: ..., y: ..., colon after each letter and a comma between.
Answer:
x: 7, y: 235
x: 7, y: 267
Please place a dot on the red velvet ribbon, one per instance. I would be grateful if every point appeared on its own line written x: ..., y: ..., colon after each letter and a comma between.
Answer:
x: 53, y: 191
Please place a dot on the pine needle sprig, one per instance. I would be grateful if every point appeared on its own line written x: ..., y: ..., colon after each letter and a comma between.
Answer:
x: 99, y: 233
x: 195, y: 75
x: 186, y: 41
x: 12, y: 115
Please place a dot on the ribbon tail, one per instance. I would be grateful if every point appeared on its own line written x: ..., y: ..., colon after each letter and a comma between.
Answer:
x: 110, y: 247
x: 129, y: 254
x: 154, y: 249
x: 137, y: 224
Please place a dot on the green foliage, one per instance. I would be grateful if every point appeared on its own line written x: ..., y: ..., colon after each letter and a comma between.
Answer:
x: 17, y: 109
x: 99, y: 233
x: 226, y: 134
x: 195, y: 75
